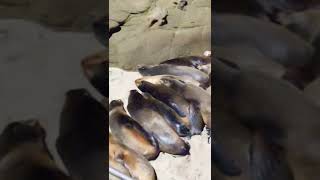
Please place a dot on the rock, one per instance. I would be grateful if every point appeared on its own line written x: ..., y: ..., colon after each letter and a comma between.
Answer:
x: 156, y: 30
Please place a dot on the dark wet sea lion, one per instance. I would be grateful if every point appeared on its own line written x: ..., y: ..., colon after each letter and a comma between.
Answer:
x: 168, y: 69
x: 96, y: 70
x: 178, y: 123
x: 142, y: 110
x: 275, y: 42
x: 82, y: 136
x: 197, y: 62
x: 24, y: 154
x: 130, y: 133
x: 174, y: 100
x: 137, y: 165
x: 294, y: 128
x: 190, y: 92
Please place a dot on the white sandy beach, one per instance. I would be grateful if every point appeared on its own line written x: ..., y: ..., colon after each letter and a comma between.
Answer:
x: 196, y: 166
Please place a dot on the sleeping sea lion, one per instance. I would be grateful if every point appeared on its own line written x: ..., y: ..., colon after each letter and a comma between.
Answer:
x: 137, y: 165
x: 96, y: 71
x: 198, y: 62
x: 81, y: 143
x: 24, y: 154
x: 130, y: 133
x: 249, y: 58
x: 273, y: 41
x: 261, y: 102
x: 143, y: 111
x: 168, y: 69
x: 190, y: 92
x: 174, y: 100
x: 179, y: 124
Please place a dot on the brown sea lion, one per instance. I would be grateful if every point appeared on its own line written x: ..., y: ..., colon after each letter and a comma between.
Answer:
x: 81, y: 143
x: 261, y: 102
x: 249, y: 58
x: 190, y: 92
x: 130, y: 133
x: 198, y: 62
x: 184, y: 71
x: 176, y: 101
x: 143, y: 111
x: 137, y: 165
x: 24, y: 154
x: 96, y: 71
x: 179, y: 124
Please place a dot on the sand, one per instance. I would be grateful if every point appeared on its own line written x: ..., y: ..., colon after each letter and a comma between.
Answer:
x: 196, y: 166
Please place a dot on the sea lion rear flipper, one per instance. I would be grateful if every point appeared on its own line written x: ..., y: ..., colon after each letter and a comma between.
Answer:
x: 267, y: 161
x: 226, y: 166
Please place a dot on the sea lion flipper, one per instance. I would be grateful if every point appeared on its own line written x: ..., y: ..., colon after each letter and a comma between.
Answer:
x: 267, y: 162
x: 225, y: 165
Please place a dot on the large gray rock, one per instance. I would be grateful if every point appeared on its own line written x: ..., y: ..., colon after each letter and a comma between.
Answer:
x: 156, y: 30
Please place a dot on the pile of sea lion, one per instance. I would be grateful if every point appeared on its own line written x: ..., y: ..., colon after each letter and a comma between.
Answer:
x: 173, y: 103
x: 262, y: 63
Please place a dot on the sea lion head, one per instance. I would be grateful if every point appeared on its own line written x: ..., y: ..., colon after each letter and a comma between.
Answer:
x: 24, y: 131
x: 18, y: 133
x: 144, y: 86
x: 77, y: 95
x: 115, y: 103
x: 144, y: 69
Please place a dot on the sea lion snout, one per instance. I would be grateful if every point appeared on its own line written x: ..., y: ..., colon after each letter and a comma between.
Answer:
x: 138, y: 82
x: 185, y: 150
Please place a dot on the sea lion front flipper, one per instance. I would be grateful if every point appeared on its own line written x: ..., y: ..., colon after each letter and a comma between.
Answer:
x: 267, y: 161
x: 222, y: 163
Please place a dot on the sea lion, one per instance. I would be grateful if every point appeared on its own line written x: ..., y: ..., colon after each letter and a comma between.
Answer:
x: 294, y: 128
x: 198, y: 62
x: 81, y: 143
x: 130, y: 133
x: 174, y: 100
x: 137, y: 165
x: 249, y: 58
x: 273, y: 41
x: 168, y: 69
x: 184, y: 79
x: 179, y: 124
x: 190, y: 92
x: 96, y: 71
x: 24, y: 153
x: 305, y: 23
x: 142, y: 110
x: 119, y: 167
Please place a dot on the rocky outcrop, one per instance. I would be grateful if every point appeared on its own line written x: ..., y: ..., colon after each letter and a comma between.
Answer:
x: 150, y: 31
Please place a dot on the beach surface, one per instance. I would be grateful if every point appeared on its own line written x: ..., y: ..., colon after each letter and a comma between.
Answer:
x: 196, y: 166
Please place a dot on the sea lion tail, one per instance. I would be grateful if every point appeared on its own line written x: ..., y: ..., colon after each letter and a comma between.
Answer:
x: 267, y: 161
